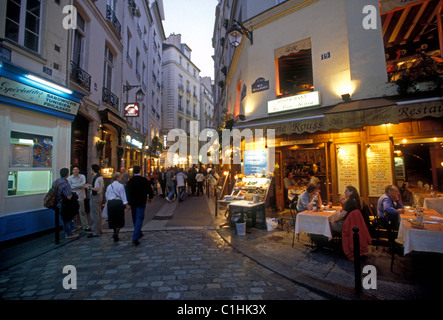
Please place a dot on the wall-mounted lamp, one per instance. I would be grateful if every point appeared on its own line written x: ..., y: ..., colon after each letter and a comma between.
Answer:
x: 139, y: 96
x: 242, y: 117
x: 346, y: 97
x: 236, y: 32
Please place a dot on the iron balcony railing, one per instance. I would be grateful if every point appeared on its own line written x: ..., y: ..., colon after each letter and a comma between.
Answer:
x: 80, y: 76
x: 110, y: 15
x: 110, y: 98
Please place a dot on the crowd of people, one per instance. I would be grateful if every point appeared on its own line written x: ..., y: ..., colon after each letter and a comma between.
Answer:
x: 124, y: 193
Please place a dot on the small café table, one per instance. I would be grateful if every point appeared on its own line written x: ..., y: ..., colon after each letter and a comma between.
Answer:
x: 252, y: 209
x: 427, y: 239
x: 315, y: 222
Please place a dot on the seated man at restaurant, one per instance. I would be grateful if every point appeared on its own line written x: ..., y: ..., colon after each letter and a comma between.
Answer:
x: 389, y: 206
x: 288, y: 183
x: 308, y: 197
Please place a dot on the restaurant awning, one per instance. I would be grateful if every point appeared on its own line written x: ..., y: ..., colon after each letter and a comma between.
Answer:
x: 354, y: 114
x: 351, y: 115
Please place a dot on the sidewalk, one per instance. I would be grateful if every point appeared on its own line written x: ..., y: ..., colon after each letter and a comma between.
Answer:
x: 416, y: 276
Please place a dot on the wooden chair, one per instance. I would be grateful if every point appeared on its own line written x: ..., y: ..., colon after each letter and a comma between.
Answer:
x: 293, y: 211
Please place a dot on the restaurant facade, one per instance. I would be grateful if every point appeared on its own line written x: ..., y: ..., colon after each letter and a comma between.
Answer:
x: 337, y: 93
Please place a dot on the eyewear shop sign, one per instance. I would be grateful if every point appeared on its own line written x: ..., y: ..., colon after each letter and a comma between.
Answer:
x: 22, y: 92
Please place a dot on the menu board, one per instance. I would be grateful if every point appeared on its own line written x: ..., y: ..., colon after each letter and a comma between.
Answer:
x: 255, y: 161
x: 379, y: 162
x: 347, y: 167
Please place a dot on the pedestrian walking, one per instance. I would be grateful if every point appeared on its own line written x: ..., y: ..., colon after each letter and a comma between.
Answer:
x: 138, y: 189
x: 78, y: 185
x: 162, y: 180
x: 213, y: 180
x: 181, y: 177
x: 199, y: 178
x: 96, y: 189
x: 116, y: 203
x: 64, y: 193
x: 170, y: 183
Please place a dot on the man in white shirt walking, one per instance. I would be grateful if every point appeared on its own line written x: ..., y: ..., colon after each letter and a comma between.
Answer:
x: 181, y: 184
x: 78, y: 185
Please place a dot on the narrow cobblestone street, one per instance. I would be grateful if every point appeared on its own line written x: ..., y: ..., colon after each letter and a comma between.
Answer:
x: 189, y: 264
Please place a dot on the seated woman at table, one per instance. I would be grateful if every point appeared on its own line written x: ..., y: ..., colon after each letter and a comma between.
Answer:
x: 307, y: 198
x: 352, y: 202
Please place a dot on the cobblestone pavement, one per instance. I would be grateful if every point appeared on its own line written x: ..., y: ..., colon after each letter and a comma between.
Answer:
x: 188, y: 264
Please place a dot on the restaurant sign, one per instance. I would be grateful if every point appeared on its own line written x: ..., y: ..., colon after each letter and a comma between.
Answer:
x: 291, y: 103
x: 19, y: 91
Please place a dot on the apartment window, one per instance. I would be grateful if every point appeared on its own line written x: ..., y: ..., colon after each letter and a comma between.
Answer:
x: 137, y: 62
x: 294, y: 73
x: 180, y: 59
x: 23, y: 23
x: 78, y: 48
x: 180, y: 123
x: 108, y: 66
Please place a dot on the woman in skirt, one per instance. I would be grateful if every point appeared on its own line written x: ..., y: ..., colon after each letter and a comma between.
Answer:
x: 116, y: 203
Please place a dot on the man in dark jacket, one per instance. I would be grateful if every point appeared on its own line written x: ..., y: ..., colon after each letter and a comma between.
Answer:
x: 137, y: 191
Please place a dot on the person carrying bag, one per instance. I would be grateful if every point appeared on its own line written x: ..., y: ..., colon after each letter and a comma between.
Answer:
x: 116, y: 203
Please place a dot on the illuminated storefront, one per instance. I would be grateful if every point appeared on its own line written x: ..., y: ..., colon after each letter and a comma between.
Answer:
x: 35, y: 123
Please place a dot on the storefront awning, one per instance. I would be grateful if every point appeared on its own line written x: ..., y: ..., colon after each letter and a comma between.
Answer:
x: 355, y: 114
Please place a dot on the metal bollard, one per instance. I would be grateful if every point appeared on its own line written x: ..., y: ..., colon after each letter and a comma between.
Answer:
x: 57, y: 226
x: 357, y: 267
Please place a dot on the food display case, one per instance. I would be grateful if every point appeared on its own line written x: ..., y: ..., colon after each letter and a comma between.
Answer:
x: 246, y: 187
x: 248, y: 198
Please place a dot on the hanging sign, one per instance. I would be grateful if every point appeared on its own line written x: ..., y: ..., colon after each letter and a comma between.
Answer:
x: 131, y: 109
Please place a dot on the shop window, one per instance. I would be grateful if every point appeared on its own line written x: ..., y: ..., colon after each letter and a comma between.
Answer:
x: 23, y: 23
x: 294, y: 73
x: 411, y: 42
x: 29, y: 155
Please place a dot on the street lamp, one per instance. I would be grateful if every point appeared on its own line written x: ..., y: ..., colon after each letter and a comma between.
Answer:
x: 235, y: 34
x: 139, y: 96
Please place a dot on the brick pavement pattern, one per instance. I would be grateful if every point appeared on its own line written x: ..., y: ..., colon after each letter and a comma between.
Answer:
x: 188, y: 264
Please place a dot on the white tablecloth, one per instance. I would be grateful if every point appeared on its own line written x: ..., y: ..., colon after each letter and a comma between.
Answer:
x: 434, y: 203
x: 420, y: 239
x: 316, y: 223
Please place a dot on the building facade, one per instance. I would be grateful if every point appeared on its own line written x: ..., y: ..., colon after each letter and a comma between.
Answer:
x: 335, y: 79
x: 37, y: 108
x: 102, y: 52
x: 181, y: 94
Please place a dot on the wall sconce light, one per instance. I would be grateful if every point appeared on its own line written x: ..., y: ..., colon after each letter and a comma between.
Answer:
x: 368, y: 146
x: 139, y: 96
x: 242, y: 117
x: 236, y: 32
x: 346, y: 97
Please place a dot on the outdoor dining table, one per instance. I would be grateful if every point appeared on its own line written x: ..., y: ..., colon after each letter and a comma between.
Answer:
x: 315, y: 222
x: 428, y: 239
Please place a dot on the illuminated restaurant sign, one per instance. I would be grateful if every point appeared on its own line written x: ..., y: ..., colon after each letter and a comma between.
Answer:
x: 132, y: 141
x: 19, y: 91
x: 299, y: 101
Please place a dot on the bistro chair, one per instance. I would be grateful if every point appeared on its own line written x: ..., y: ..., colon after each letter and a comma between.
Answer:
x: 293, y: 211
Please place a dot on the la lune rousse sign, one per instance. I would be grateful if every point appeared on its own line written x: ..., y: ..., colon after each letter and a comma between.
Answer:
x: 299, y: 101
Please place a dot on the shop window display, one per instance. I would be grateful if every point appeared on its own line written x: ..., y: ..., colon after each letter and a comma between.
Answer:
x: 29, y: 156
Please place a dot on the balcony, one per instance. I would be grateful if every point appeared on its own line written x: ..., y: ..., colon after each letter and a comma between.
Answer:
x: 110, y: 98
x: 80, y: 76
x: 110, y: 15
